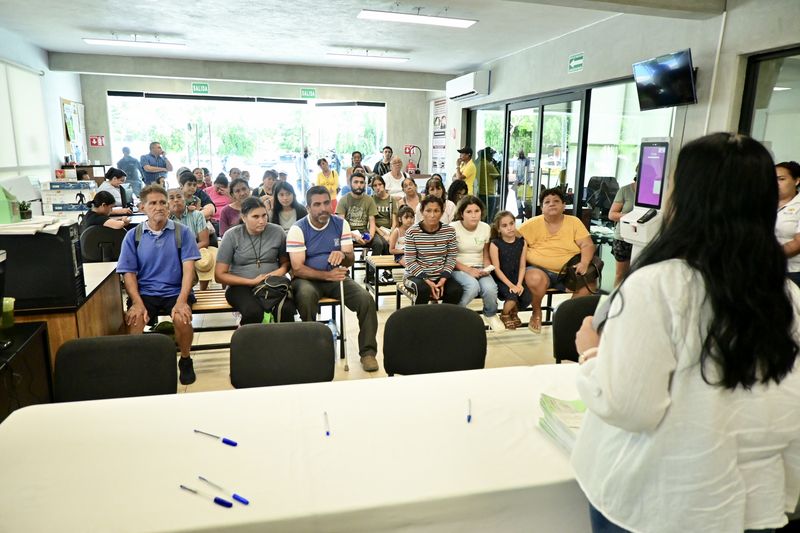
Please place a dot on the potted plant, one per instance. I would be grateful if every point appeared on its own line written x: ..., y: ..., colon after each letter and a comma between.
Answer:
x: 25, y: 210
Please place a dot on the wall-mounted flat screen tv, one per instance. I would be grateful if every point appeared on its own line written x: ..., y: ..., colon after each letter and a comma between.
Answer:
x: 665, y: 81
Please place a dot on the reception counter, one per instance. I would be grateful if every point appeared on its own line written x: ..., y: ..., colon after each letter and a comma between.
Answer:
x: 100, y: 314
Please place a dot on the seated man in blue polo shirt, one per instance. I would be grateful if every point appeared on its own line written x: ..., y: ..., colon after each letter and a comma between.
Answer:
x: 158, y: 268
x: 320, y: 249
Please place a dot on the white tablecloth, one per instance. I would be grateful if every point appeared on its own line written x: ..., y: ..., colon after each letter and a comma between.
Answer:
x: 401, y: 456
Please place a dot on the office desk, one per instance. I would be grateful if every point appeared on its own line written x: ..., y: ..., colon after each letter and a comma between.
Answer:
x: 24, y: 368
x: 401, y: 455
x: 100, y: 314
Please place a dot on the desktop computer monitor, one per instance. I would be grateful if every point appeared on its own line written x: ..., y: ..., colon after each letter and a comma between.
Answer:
x: 652, y: 174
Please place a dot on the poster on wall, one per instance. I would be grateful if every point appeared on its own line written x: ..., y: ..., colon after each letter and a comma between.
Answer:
x: 439, y: 137
x: 74, y: 131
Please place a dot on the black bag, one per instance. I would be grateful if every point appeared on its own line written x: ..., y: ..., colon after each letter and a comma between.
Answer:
x: 274, y: 293
x: 572, y: 281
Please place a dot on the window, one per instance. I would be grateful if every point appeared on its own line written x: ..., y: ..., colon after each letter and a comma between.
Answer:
x: 771, y: 103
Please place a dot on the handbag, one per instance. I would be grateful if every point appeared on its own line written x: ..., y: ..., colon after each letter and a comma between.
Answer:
x: 272, y: 294
x: 573, y: 281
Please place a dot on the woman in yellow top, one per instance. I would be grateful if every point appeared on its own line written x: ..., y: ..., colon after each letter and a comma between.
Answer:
x: 329, y: 179
x: 551, y: 240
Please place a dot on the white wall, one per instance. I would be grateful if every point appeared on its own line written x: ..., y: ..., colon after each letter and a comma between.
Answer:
x: 55, y: 85
x: 611, y: 46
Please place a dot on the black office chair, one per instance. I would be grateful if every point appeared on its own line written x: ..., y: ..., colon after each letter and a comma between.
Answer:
x: 263, y: 355
x: 116, y: 366
x: 424, y: 339
x: 567, y: 321
x: 99, y: 243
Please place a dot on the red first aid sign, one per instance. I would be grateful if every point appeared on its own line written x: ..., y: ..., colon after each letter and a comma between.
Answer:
x: 97, y: 140
x: 407, y: 149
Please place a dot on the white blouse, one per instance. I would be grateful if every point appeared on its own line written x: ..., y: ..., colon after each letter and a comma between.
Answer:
x: 660, y: 450
x: 786, y: 227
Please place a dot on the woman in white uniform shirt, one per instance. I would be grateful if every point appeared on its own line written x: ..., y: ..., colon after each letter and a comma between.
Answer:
x: 786, y: 227
x: 692, y: 391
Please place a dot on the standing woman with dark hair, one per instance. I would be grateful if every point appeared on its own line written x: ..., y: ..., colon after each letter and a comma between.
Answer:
x: 250, y: 253
x: 430, y: 256
x: 692, y: 396
x: 287, y: 209
x: 786, y: 226
x: 114, y: 179
x: 231, y: 214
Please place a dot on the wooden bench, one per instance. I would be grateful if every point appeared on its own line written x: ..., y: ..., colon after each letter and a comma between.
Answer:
x: 375, y: 265
x: 213, y: 301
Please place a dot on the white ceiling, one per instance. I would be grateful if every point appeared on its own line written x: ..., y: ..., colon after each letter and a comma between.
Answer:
x: 295, y: 31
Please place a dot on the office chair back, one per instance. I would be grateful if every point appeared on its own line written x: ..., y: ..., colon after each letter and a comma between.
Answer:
x: 116, y: 366
x: 99, y: 243
x: 423, y: 339
x: 286, y: 353
x: 567, y: 321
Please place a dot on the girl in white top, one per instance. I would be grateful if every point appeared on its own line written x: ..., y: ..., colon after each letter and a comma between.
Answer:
x: 397, y: 239
x: 473, y: 266
x: 786, y: 227
x: 692, y: 394
x: 434, y: 186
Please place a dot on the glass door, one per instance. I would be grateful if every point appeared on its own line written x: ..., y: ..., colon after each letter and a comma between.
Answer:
x: 521, y: 175
x: 545, y: 151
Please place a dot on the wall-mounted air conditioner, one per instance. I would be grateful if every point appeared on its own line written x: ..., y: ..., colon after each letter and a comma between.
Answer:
x: 468, y: 86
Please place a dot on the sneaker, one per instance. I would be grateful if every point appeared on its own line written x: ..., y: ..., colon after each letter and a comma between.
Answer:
x: 386, y: 277
x: 186, y: 367
x: 369, y: 363
x: 495, y: 323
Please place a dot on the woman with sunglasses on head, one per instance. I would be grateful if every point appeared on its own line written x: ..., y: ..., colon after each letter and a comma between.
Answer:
x: 435, y: 187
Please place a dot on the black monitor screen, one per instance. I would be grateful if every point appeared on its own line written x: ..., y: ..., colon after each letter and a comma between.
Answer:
x: 665, y: 81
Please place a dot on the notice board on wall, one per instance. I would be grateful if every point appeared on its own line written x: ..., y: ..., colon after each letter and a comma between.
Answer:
x: 72, y: 114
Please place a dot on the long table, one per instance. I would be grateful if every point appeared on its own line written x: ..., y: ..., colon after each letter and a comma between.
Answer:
x: 400, y: 456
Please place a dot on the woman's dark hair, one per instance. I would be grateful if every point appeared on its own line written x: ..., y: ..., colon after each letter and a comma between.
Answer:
x: 222, y: 179
x: 378, y: 178
x: 729, y: 237
x: 467, y: 201
x: 114, y: 172
x: 458, y: 186
x: 102, y: 198
x: 431, y: 199
x: 276, y: 209
x: 186, y: 176
x: 250, y: 203
x: 437, y: 176
x: 320, y: 160
x: 235, y: 182
x: 433, y: 180
x: 408, y: 179
x: 792, y: 167
x: 555, y: 191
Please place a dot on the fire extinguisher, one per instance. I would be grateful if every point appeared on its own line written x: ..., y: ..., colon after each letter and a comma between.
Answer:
x: 412, y: 167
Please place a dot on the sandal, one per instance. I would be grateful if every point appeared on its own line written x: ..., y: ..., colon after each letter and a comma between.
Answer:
x: 535, y: 325
x: 508, y: 321
x: 515, y: 318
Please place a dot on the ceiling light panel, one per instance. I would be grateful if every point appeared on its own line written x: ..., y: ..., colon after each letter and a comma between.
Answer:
x: 391, y: 16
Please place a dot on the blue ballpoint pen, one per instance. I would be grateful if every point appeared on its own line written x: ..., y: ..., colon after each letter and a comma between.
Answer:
x: 224, y: 440
x: 222, y: 502
x: 237, y: 497
x: 469, y: 410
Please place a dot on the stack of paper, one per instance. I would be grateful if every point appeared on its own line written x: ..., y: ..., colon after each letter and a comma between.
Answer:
x: 562, y: 419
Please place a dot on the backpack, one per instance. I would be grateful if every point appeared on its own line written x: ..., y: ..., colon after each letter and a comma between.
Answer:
x: 272, y: 294
x: 178, y: 237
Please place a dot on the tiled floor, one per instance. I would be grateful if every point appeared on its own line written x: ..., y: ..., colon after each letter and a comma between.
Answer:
x: 508, y: 348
